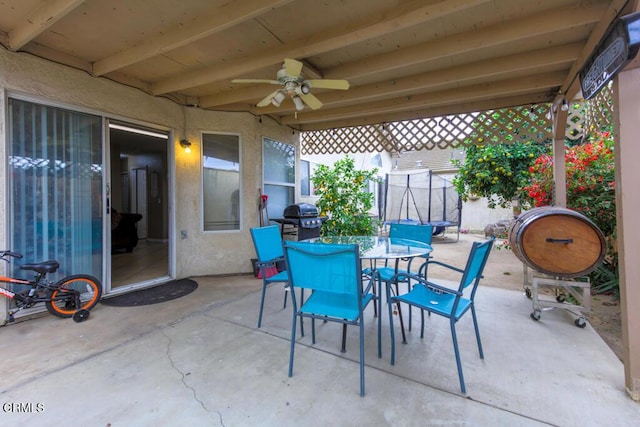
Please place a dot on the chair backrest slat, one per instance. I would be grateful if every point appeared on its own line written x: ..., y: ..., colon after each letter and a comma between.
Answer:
x: 268, y: 242
x: 333, y: 268
x: 417, y: 232
x: 476, y: 262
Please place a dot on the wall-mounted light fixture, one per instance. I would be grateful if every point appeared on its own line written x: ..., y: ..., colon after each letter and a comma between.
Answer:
x: 565, y: 105
x: 186, y: 145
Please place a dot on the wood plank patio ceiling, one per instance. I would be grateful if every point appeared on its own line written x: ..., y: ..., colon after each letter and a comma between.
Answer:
x: 403, y: 59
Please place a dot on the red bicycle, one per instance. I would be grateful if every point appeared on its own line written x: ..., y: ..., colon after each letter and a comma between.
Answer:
x: 73, y: 296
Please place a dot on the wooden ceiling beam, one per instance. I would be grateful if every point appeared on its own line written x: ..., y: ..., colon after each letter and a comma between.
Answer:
x: 319, y: 43
x: 439, y: 111
x: 459, y: 75
x: 509, y: 87
x: 496, y: 35
x: 50, y: 12
x: 224, y: 17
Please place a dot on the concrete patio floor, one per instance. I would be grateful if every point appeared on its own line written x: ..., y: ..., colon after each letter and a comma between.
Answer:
x: 200, y: 360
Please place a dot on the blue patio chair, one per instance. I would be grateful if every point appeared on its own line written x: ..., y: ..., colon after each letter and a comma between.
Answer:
x: 268, y: 244
x: 435, y: 298
x: 417, y: 232
x: 333, y: 273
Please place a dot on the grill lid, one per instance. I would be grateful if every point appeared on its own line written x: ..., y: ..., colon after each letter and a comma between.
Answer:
x: 301, y: 210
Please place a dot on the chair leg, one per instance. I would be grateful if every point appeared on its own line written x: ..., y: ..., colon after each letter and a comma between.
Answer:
x: 379, y: 325
x: 293, y: 343
x: 344, y: 338
x: 421, y: 323
x: 475, y: 325
x: 375, y: 309
x: 286, y: 292
x: 457, y: 352
x: 301, y: 318
x: 361, y: 356
x: 410, y: 308
x: 313, y: 330
x: 404, y: 336
x: 393, y: 340
x: 264, y: 290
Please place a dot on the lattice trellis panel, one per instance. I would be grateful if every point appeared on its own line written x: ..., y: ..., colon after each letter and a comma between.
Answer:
x: 494, y: 126
x: 525, y: 123
x: 599, y: 114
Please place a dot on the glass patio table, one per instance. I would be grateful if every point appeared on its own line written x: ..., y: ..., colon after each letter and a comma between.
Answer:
x: 380, y: 247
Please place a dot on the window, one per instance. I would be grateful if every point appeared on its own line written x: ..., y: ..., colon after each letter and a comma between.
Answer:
x: 55, y: 186
x: 221, y: 182
x: 279, y: 175
x: 306, y: 186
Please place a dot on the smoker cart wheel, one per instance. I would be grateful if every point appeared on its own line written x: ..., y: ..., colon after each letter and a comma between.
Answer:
x: 580, y: 322
x: 535, y: 315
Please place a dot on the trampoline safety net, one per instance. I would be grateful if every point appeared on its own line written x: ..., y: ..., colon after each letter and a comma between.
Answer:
x: 421, y: 197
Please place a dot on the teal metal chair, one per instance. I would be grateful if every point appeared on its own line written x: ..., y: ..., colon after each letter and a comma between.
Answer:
x: 268, y: 244
x: 417, y: 232
x: 435, y: 298
x: 333, y: 274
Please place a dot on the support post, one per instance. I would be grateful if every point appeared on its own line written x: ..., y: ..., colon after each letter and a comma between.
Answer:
x: 626, y: 107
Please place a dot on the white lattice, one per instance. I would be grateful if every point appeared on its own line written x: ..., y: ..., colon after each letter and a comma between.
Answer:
x: 524, y: 123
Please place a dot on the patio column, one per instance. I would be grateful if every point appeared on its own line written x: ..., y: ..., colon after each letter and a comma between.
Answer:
x: 559, y: 167
x: 627, y: 155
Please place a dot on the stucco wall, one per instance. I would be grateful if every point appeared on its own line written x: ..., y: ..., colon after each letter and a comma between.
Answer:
x: 200, y: 253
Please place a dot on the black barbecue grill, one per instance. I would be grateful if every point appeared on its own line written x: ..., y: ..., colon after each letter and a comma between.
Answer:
x: 302, y: 219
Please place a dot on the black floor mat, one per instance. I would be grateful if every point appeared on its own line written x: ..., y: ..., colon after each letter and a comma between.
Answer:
x: 157, y: 294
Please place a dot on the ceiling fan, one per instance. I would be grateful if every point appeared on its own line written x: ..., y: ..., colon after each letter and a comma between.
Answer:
x: 296, y: 86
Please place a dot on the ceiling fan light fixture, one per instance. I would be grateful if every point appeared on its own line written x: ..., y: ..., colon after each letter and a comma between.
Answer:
x: 277, y: 99
x: 293, y: 84
x: 298, y: 101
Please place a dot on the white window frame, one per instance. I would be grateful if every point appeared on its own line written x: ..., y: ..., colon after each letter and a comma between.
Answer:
x: 240, y: 184
x: 266, y: 182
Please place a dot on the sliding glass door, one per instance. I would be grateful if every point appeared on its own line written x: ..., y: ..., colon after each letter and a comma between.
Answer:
x: 55, y: 187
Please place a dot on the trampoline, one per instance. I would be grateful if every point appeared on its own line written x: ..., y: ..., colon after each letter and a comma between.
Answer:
x: 422, y: 197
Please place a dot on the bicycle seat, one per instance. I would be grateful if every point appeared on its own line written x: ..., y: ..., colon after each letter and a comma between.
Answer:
x: 42, y: 267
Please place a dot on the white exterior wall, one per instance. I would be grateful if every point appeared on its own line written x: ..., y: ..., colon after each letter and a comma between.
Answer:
x: 200, y: 253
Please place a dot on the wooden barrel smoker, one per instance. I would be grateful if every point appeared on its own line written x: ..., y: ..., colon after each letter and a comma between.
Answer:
x: 557, y: 241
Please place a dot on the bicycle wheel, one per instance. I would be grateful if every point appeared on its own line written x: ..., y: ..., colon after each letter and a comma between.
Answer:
x: 63, y: 302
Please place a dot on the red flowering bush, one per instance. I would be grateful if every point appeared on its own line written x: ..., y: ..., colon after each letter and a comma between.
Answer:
x: 590, y: 181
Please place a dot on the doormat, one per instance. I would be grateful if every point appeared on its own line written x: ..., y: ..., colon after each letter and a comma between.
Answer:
x: 155, y: 295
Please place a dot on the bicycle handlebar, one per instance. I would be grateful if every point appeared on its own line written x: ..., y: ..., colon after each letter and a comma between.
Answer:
x: 4, y: 254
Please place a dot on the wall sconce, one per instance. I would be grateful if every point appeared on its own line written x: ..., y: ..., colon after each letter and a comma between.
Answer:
x: 565, y: 105
x: 186, y: 145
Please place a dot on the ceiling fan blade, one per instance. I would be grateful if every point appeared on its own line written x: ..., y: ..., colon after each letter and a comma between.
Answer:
x: 328, y: 84
x: 292, y: 67
x: 273, y: 82
x: 309, y: 99
x: 267, y: 100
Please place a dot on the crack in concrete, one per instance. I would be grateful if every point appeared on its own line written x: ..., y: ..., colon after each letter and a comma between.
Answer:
x: 184, y: 382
